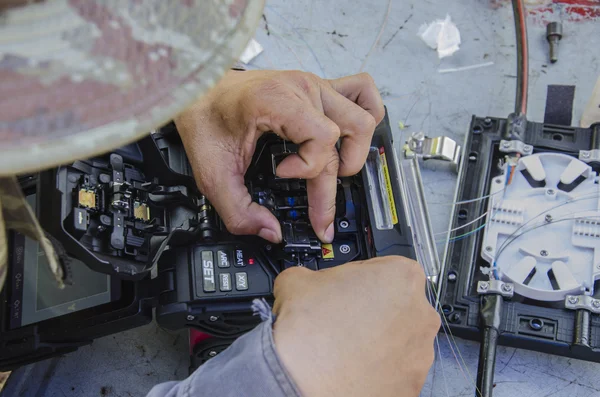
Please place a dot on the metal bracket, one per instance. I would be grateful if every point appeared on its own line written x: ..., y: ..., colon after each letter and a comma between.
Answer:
x: 516, y: 146
x: 497, y: 287
x: 589, y: 156
x: 438, y: 148
x: 586, y: 302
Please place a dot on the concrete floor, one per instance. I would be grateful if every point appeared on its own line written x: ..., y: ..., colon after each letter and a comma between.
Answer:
x: 333, y: 38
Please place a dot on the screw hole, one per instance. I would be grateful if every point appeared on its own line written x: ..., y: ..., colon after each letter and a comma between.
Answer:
x: 473, y: 156
x: 536, y: 324
x: 452, y: 276
x: 477, y: 129
x: 557, y: 137
x: 462, y: 214
x: 447, y: 309
x: 454, y: 318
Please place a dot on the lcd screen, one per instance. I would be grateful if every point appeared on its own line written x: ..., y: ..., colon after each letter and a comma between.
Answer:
x: 35, y: 295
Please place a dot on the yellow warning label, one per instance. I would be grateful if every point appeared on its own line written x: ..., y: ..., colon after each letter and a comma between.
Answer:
x: 388, y: 186
x: 327, y: 250
x: 87, y: 198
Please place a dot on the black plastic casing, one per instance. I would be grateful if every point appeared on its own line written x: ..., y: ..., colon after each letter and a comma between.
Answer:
x: 173, y: 293
x: 459, y: 299
x: 396, y: 241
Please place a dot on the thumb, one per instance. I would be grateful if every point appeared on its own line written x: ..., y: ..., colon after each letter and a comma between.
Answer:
x: 240, y: 214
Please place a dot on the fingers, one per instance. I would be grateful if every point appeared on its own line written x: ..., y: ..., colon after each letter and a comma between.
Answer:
x: 315, y: 134
x: 361, y: 89
x: 240, y: 214
x: 321, y: 199
x: 356, y: 127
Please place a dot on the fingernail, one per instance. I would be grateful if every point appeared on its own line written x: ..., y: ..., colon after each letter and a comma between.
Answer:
x: 329, y: 233
x: 269, y: 235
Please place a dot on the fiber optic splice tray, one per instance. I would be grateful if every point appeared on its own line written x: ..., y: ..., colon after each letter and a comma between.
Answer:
x: 135, y: 234
x: 528, y: 231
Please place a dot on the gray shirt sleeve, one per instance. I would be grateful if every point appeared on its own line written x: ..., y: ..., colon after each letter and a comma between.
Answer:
x: 249, y: 367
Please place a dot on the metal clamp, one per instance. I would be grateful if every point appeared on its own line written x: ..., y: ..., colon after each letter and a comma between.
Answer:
x: 438, y: 148
x: 586, y: 302
x: 497, y: 287
x: 589, y: 156
x: 516, y: 146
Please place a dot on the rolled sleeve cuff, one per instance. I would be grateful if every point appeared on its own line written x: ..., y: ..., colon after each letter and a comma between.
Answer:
x: 249, y: 367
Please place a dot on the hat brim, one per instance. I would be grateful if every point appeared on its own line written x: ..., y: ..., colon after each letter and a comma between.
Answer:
x: 82, y: 115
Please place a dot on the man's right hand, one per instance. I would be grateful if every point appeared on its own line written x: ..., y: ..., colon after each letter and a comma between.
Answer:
x: 360, y: 329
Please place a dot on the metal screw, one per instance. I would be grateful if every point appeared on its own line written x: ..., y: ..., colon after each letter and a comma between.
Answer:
x: 344, y: 224
x: 488, y: 248
x: 585, y: 154
x: 498, y: 180
x: 451, y: 276
x: 506, y: 144
x: 544, y: 253
x: 506, y: 287
x: 596, y: 303
x: 484, y: 285
x: 268, y: 247
x: 212, y: 353
x: 527, y: 148
x: 550, y: 192
x: 261, y: 177
x: 553, y: 35
x: 213, y: 318
x: 190, y: 317
x: 573, y: 300
x: 344, y: 248
x: 487, y: 122
x: 548, y: 218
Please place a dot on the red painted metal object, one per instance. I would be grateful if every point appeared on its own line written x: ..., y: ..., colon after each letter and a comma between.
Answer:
x: 197, y: 337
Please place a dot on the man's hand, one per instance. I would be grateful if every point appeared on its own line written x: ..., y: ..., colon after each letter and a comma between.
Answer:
x: 360, y: 329
x: 220, y: 132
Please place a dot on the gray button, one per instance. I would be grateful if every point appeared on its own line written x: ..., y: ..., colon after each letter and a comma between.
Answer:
x: 239, y: 258
x: 208, y: 271
x: 241, y: 281
x: 225, y: 281
x: 223, y: 259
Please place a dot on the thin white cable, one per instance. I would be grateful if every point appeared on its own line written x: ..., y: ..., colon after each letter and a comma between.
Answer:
x: 470, y: 378
x: 437, y: 342
x: 463, y: 226
x: 471, y: 200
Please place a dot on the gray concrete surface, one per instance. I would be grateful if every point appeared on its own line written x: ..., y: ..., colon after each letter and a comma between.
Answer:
x: 333, y: 38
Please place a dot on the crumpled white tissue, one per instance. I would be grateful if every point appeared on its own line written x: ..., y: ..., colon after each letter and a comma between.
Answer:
x: 442, y: 35
x: 253, y: 49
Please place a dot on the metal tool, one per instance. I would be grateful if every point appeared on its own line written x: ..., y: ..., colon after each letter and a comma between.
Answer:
x: 553, y: 35
x: 438, y: 148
